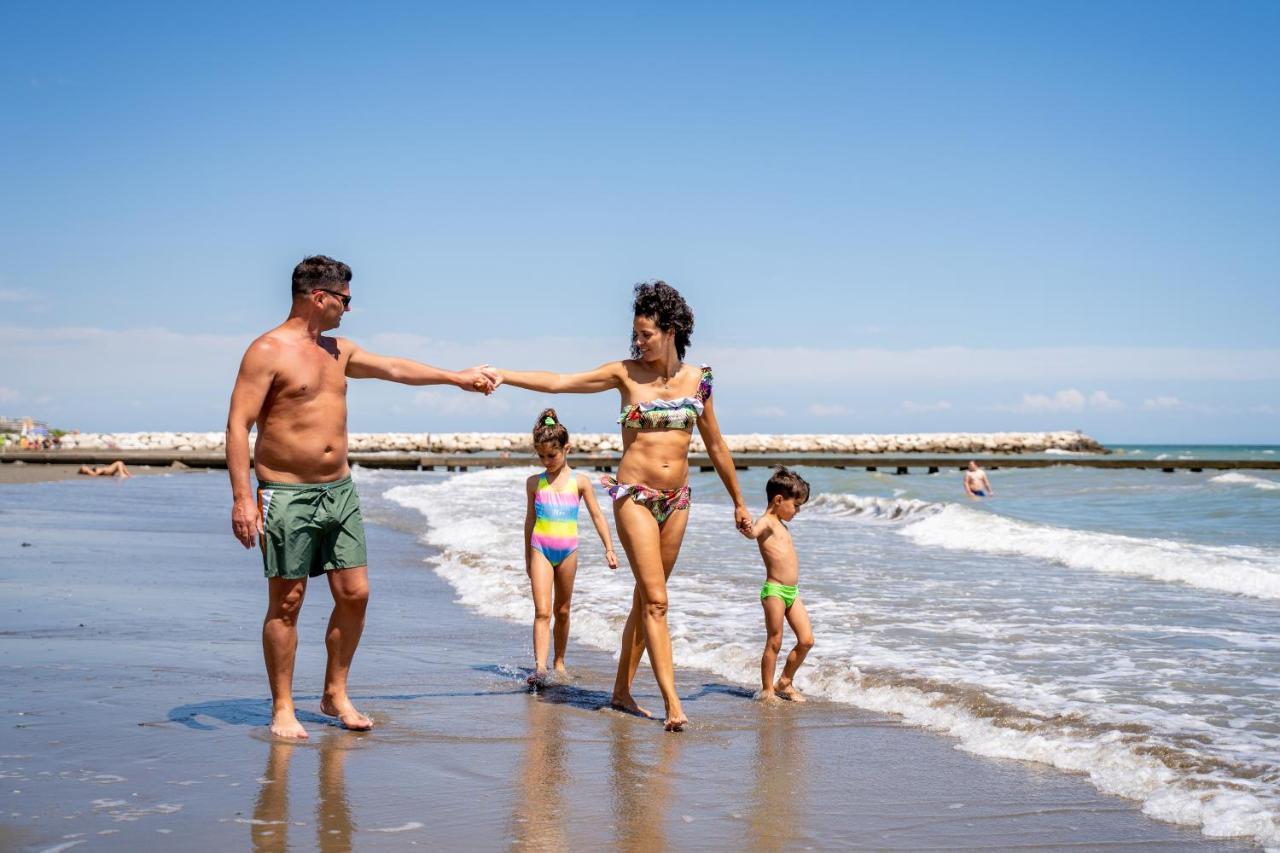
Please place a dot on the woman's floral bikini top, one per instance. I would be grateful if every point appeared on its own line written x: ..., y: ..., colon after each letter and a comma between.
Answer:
x: 681, y: 413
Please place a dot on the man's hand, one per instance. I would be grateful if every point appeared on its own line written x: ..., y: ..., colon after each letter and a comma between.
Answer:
x: 246, y: 522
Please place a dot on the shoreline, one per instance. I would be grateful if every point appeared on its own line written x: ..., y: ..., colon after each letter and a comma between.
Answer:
x: 130, y: 725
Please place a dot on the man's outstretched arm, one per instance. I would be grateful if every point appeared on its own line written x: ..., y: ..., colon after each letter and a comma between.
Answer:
x: 252, y: 384
x: 368, y: 365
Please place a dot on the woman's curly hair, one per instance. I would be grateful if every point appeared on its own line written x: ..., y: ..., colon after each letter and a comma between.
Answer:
x: 663, y: 304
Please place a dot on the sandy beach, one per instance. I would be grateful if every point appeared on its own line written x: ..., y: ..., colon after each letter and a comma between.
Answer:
x: 137, y: 707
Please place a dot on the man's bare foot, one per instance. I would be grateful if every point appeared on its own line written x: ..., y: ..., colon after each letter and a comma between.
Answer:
x: 628, y: 705
x: 560, y: 670
x: 341, y: 707
x: 766, y: 695
x: 284, y: 724
x: 537, y: 679
x: 788, y: 692
x: 676, y: 722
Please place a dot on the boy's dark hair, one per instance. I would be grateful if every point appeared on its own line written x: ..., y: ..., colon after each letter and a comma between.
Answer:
x: 666, y: 307
x: 549, y: 428
x: 787, y: 483
x: 319, y: 271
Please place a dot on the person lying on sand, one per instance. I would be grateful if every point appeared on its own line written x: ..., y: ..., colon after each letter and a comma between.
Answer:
x: 115, y: 469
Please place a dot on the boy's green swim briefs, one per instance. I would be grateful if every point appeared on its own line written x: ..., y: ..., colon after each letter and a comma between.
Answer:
x: 780, y: 590
x: 310, y: 529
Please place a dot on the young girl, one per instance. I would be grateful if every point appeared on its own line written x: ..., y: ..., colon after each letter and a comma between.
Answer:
x: 551, y: 538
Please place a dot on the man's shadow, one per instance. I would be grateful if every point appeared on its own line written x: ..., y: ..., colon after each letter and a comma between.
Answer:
x: 257, y: 711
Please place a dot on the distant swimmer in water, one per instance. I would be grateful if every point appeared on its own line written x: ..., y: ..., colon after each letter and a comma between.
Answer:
x: 976, y: 484
x: 115, y: 469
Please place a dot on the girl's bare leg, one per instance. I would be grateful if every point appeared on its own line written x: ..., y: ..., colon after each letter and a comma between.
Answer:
x: 643, y: 541
x: 563, y: 577
x: 540, y: 582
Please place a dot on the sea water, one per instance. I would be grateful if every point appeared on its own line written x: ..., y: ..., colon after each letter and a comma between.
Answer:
x: 1120, y: 624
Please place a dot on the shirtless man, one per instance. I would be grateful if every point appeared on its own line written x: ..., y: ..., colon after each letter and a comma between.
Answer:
x: 293, y: 385
x: 976, y: 484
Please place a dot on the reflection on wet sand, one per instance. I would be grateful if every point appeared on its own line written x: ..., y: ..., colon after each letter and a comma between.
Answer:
x: 775, y: 809
x: 640, y: 787
x: 269, y: 830
x: 540, y: 819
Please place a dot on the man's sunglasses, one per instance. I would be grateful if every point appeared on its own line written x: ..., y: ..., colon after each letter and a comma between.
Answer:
x: 346, y: 298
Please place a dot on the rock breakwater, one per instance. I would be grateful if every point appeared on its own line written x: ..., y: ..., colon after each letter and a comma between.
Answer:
x: 497, y: 442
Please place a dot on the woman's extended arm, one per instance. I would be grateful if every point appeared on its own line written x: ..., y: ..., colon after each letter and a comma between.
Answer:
x: 598, y: 519
x: 709, y: 429
x: 604, y: 378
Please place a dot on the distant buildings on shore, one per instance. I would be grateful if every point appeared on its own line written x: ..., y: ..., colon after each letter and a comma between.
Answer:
x: 23, y: 426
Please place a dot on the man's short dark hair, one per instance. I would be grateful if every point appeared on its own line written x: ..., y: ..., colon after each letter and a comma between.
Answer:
x: 787, y: 483
x: 319, y: 271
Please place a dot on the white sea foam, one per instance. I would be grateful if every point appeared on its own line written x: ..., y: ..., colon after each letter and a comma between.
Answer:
x: 475, y: 520
x: 1236, y: 569
x: 1234, y: 478
x: 883, y: 509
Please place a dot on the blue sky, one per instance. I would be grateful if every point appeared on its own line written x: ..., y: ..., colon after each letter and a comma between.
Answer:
x: 887, y: 217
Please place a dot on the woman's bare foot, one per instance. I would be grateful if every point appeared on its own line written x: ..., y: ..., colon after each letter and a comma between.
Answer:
x: 285, y: 724
x: 766, y: 695
x: 537, y: 679
x: 628, y: 705
x: 788, y: 692
x: 560, y: 668
x: 341, y: 707
x: 676, y: 722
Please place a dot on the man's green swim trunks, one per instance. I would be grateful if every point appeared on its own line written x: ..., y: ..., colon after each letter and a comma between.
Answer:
x: 786, y: 593
x: 310, y: 529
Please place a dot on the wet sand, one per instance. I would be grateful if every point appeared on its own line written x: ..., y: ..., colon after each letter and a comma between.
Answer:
x: 136, y: 709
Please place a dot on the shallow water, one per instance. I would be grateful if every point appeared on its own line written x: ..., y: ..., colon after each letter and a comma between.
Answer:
x: 1121, y: 624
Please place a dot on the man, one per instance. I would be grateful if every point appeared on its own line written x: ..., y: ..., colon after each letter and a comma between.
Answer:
x: 293, y: 385
x: 976, y: 484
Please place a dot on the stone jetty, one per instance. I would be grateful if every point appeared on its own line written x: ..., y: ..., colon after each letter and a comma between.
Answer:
x: 500, y: 442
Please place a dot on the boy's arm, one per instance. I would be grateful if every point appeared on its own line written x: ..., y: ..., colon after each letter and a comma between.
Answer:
x: 530, y: 486
x: 367, y: 365
x: 598, y: 519
x: 761, y: 530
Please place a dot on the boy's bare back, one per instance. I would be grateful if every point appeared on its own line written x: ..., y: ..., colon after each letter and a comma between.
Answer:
x: 777, y: 550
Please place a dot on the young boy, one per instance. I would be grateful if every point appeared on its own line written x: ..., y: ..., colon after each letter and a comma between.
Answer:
x: 787, y: 492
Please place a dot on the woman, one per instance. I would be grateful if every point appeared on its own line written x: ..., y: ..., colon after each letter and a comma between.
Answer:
x: 662, y: 400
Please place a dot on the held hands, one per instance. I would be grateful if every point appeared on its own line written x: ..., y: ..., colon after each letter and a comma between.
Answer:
x: 246, y: 522
x: 482, y: 378
x: 742, y: 520
x: 611, y: 558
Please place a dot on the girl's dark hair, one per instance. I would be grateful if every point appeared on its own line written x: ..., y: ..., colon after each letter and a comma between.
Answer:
x: 787, y: 483
x: 663, y: 304
x: 549, y: 428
